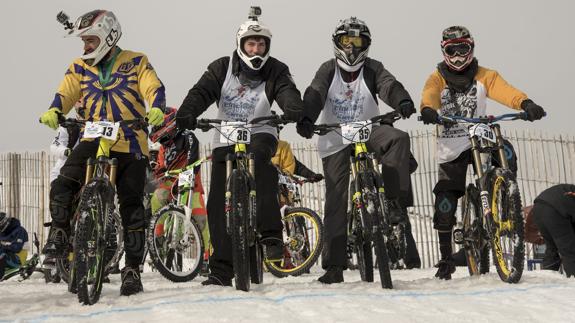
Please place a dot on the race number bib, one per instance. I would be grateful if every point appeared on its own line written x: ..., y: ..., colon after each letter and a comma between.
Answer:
x: 186, y: 178
x: 357, y: 131
x: 482, y: 131
x: 234, y: 132
x: 104, y: 129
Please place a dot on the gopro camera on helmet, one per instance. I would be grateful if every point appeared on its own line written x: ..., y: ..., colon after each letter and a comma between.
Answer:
x: 255, y: 12
x: 64, y: 19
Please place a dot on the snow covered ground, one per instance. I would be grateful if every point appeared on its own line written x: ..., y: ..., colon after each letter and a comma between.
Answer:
x: 541, y: 296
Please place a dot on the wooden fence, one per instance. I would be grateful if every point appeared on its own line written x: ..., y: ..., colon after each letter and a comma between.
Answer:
x: 544, y: 160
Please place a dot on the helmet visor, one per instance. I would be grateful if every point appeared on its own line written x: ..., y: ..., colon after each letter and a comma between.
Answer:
x: 457, y: 49
x: 346, y: 41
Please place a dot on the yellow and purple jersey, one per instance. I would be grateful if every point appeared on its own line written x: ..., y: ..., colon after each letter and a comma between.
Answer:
x: 132, y: 81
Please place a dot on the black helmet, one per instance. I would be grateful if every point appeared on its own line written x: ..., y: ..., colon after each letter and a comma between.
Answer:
x: 351, y: 41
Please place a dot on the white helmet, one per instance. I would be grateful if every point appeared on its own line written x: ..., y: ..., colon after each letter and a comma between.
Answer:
x: 355, y: 34
x: 253, y: 28
x: 105, y: 26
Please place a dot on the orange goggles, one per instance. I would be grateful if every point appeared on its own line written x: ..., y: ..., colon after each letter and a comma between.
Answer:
x: 346, y: 41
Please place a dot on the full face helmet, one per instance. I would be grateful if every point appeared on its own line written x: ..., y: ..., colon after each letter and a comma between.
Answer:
x: 252, y: 28
x: 351, y: 41
x: 102, y: 24
x: 457, y: 47
x: 167, y: 131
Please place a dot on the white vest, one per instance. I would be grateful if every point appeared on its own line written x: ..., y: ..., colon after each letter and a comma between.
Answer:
x: 240, y: 102
x: 345, y: 102
x: 455, y: 140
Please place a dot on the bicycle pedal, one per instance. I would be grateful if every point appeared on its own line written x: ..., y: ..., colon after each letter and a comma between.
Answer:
x: 458, y: 236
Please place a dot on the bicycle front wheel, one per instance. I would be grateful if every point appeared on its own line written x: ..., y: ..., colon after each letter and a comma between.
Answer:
x: 506, y: 226
x: 475, y: 244
x: 303, y: 242
x: 90, y: 240
x: 175, y: 244
x: 237, y: 213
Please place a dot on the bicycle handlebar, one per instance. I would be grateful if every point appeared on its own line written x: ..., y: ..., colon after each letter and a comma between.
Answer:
x: 388, y: 118
x: 450, y: 120
x: 207, y: 124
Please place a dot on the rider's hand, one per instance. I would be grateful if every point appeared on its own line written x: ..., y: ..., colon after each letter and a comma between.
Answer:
x: 304, y: 127
x: 429, y: 116
x: 406, y: 109
x: 50, y: 117
x: 186, y: 122
x: 315, y: 178
x: 534, y: 111
x: 155, y: 117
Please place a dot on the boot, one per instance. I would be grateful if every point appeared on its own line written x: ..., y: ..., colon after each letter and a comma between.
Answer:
x: 57, y: 244
x: 131, y: 282
x: 214, y: 280
x: 445, y: 267
x: 333, y: 275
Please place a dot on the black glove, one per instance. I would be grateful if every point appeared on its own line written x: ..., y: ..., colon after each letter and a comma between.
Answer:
x: 534, y: 111
x: 406, y: 109
x: 304, y: 127
x: 429, y: 116
x: 315, y: 178
x: 186, y: 123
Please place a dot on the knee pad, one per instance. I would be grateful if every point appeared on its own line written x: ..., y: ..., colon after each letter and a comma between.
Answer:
x: 134, y: 245
x: 445, y: 207
x: 62, y: 192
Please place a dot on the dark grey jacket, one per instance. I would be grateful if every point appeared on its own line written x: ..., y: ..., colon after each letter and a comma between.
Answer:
x: 379, y: 81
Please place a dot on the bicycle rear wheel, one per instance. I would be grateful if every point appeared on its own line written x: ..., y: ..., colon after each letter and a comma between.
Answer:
x: 175, y: 244
x: 303, y: 242
x: 90, y: 240
x: 506, y: 226
x: 237, y: 212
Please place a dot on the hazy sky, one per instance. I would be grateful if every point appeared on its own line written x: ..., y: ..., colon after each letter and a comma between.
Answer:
x: 530, y: 42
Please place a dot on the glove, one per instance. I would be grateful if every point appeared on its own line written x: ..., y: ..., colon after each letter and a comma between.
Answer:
x: 534, y: 111
x: 429, y: 116
x: 155, y: 117
x: 50, y: 117
x: 5, y: 243
x: 186, y: 123
x: 406, y: 109
x: 304, y: 127
x: 315, y: 178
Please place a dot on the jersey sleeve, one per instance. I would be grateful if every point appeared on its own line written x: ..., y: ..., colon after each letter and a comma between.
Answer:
x: 69, y: 90
x: 151, y: 88
x: 499, y: 90
x: 431, y: 96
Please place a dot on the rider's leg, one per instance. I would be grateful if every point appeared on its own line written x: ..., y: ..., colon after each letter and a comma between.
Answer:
x: 391, y: 147
x: 449, y: 188
x: 221, y: 259
x: 131, y: 178
x: 336, y: 171
x: 264, y: 146
x: 62, y: 192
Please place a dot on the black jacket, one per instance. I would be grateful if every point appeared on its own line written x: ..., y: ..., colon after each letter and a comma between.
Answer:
x: 379, y: 81
x: 556, y: 198
x: 279, y: 87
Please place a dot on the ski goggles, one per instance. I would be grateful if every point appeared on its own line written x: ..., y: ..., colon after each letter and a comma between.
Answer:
x: 460, y: 49
x: 346, y: 41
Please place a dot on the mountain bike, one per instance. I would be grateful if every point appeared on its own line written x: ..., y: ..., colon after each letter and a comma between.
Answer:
x: 302, y: 230
x: 491, y: 212
x: 175, y: 241
x: 114, y: 245
x: 28, y: 266
x: 240, y: 198
x: 94, y: 229
x: 369, y: 223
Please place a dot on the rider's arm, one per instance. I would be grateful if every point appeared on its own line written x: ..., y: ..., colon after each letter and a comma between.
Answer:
x: 150, y: 86
x: 302, y: 170
x: 69, y: 90
x: 206, y: 91
x: 499, y: 90
x: 388, y: 88
x: 60, y: 143
x: 285, y: 92
x: 316, y: 94
x: 431, y: 96
x: 18, y: 238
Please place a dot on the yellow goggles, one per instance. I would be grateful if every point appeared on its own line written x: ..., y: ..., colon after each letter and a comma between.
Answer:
x: 346, y: 41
